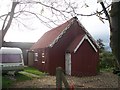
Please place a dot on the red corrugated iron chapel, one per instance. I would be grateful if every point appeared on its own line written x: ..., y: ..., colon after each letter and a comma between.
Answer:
x: 69, y: 46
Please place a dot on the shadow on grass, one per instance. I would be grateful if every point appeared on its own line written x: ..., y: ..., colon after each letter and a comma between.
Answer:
x: 7, y: 80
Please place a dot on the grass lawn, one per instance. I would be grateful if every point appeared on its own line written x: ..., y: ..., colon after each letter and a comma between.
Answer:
x: 7, y: 81
x: 33, y: 71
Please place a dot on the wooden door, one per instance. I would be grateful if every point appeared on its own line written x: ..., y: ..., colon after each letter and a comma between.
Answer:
x: 30, y: 58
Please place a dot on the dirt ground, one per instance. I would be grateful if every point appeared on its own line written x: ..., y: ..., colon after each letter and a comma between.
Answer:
x: 103, y: 80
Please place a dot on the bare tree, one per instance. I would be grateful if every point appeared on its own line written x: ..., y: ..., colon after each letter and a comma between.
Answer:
x: 56, y: 10
x: 15, y: 14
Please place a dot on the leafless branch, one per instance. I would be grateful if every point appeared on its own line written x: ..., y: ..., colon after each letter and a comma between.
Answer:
x: 49, y: 20
x: 19, y: 13
x: 23, y: 24
x: 38, y: 18
x: 105, y: 11
x: 62, y: 11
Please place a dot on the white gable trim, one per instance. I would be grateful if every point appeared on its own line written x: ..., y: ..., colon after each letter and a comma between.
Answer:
x: 91, y: 44
x: 85, y: 37
x: 79, y: 44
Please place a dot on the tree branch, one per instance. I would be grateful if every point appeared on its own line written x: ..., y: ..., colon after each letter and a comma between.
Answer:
x: 64, y: 11
x: 105, y: 11
x: 38, y: 18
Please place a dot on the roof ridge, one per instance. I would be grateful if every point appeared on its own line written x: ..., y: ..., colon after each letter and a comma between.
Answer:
x: 63, y: 32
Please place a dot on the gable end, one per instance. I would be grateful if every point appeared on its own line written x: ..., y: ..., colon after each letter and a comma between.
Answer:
x: 85, y: 37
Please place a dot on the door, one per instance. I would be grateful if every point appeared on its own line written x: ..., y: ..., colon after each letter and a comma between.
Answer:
x: 68, y: 63
x: 30, y: 58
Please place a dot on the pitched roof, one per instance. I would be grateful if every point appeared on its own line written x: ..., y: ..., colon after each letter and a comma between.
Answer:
x: 49, y: 37
x: 78, y: 42
x: 74, y: 44
x: 52, y: 36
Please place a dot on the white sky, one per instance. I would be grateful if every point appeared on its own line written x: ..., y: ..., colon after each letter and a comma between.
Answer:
x: 18, y: 33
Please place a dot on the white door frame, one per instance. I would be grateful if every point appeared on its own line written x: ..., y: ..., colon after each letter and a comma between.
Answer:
x: 68, y: 63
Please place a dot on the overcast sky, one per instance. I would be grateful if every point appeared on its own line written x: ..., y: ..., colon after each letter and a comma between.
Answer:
x: 18, y: 33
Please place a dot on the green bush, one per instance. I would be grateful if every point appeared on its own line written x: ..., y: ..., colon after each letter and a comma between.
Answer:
x: 107, y: 60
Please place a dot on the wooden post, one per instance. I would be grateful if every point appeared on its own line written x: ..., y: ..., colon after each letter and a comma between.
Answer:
x: 59, y: 78
x: 118, y: 81
x: 65, y: 82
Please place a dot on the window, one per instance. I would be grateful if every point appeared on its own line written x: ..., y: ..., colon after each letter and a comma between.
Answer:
x: 10, y: 58
x: 43, y: 54
x: 36, y: 56
x: 43, y: 62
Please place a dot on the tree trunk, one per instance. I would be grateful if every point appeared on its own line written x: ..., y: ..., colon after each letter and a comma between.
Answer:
x: 10, y: 15
x: 115, y: 30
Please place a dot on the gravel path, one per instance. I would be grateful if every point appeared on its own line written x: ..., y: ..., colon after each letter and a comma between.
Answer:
x: 103, y: 80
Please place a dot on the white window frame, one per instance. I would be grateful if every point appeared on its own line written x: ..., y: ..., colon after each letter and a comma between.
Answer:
x: 43, y: 54
x: 36, y: 56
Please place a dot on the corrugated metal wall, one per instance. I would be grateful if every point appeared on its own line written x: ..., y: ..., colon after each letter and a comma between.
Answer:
x: 85, y: 60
